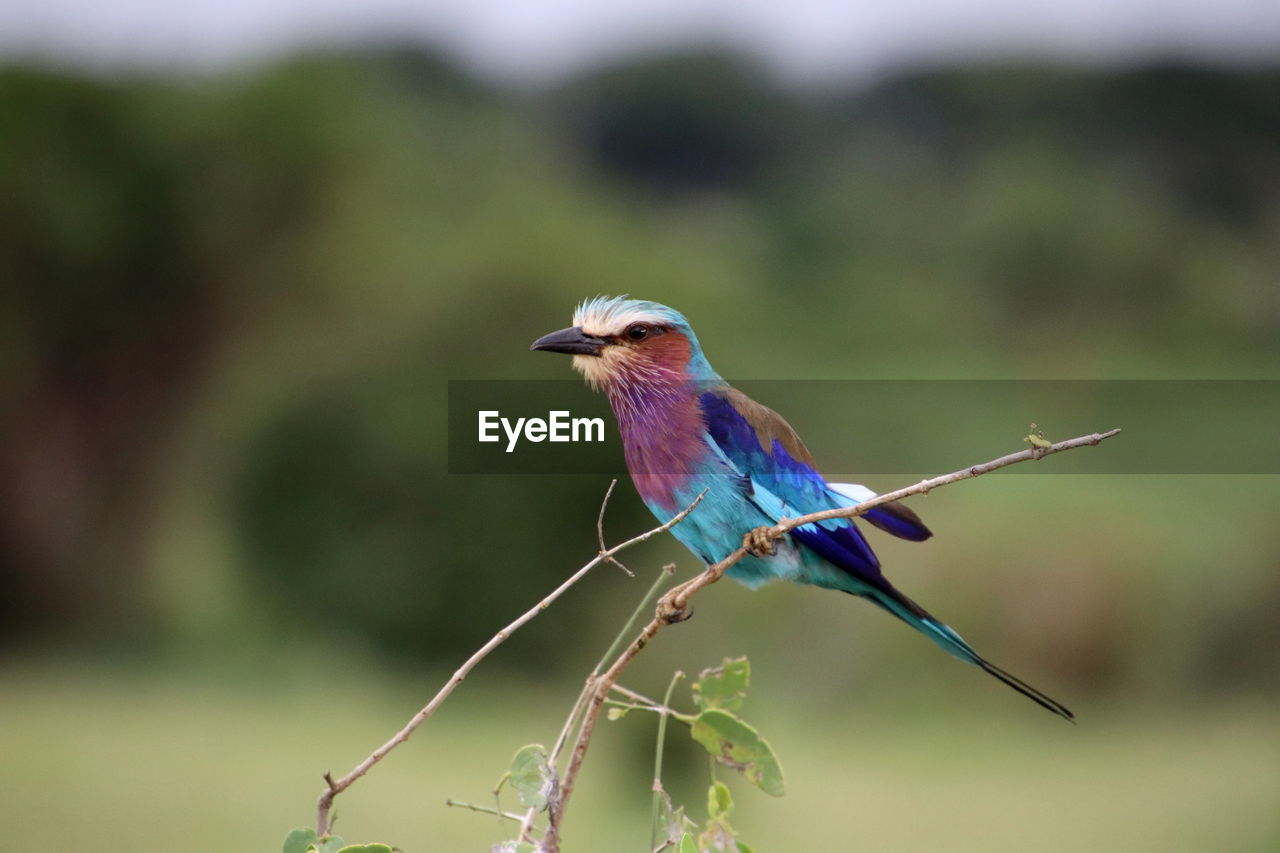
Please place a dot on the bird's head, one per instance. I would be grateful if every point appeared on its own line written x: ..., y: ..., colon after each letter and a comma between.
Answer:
x: 615, y: 339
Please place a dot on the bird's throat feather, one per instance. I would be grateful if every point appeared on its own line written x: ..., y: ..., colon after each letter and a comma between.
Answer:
x: 656, y: 406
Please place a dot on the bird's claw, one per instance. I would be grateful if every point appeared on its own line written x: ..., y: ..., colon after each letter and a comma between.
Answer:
x: 758, y: 542
x: 671, y: 612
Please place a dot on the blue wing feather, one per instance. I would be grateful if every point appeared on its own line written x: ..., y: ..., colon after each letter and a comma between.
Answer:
x: 903, y: 527
x: 799, y: 488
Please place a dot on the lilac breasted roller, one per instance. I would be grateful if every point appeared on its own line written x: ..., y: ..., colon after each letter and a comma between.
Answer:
x: 685, y: 430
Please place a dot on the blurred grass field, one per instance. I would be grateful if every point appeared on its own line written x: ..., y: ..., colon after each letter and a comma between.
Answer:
x: 133, y: 762
x: 886, y: 743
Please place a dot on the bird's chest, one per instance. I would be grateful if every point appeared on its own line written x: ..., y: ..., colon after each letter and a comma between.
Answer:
x: 663, y: 441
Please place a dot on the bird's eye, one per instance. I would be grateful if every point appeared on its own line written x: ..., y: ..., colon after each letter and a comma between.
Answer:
x: 637, y: 331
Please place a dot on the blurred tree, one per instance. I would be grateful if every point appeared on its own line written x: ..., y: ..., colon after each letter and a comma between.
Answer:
x: 692, y: 121
x: 241, y: 295
x: 106, y: 318
x: 128, y: 238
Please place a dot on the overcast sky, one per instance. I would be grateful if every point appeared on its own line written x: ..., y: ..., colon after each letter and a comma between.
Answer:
x: 538, y: 40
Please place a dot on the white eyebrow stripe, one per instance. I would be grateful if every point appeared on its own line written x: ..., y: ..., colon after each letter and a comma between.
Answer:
x: 613, y: 322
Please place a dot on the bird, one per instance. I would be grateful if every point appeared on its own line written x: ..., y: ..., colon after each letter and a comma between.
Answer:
x: 686, y: 431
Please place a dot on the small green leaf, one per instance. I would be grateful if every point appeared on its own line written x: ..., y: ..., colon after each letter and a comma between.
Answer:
x: 688, y: 845
x: 366, y: 848
x: 532, y: 776
x: 299, y: 840
x: 736, y: 744
x: 330, y: 844
x: 616, y: 713
x: 724, y: 686
x: 719, y: 802
x: 743, y: 848
x: 1036, y: 439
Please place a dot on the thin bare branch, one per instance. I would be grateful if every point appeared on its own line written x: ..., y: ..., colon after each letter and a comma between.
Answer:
x: 336, y: 787
x: 642, y: 702
x: 673, y: 607
x: 459, y: 804
x: 677, y: 599
x: 604, y: 504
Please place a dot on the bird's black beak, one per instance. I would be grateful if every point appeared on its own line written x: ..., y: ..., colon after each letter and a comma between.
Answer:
x: 573, y: 341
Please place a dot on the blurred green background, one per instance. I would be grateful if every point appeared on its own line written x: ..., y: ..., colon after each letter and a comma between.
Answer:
x: 232, y: 557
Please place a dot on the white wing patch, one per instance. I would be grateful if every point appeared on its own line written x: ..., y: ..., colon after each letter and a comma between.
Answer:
x: 853, y: 491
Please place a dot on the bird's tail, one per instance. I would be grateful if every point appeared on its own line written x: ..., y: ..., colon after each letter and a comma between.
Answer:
x: 917, y: 617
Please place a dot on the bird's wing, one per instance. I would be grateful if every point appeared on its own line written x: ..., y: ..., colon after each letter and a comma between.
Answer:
x: 782, y: 481
x: 768, y: 427
x: 759, y: 442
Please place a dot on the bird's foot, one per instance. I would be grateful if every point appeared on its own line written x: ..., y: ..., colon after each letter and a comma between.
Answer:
x: 758, y: 542
x: 671, y: 609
